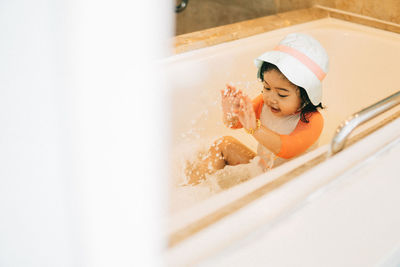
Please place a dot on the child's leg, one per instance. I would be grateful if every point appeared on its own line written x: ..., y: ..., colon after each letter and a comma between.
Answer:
x: 225, y: 151
x: 233, y: 151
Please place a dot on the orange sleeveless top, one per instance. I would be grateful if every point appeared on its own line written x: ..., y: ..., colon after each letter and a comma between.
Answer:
x: 302, y: 137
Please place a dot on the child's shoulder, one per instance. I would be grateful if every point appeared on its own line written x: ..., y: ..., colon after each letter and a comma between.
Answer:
x: 316, y: 115
x: 315, y: 118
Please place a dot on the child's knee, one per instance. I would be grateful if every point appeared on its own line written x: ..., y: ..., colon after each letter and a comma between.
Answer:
x: 223, y: 141
x: 220, y: 144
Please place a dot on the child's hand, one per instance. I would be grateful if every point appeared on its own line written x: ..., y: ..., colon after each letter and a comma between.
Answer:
x: 247, y: 116
x: 230, y: 101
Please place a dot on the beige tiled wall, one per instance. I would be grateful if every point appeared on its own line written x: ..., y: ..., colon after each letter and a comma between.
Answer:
x: 388, y: 10
x: 204, y: 14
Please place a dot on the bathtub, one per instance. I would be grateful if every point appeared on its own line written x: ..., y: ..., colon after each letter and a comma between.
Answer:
x: 364, y: 68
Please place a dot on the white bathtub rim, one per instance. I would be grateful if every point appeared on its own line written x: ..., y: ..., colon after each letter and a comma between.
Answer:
x: 328, y: 22
x: 234, y: 227
x: 243, y: 41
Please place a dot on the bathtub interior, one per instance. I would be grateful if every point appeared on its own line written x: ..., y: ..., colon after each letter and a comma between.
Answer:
x: 363, y: 69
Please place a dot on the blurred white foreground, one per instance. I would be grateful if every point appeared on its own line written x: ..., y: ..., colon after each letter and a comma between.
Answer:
x: 76, y: 185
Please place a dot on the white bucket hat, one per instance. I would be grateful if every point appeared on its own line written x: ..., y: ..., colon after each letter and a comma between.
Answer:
x: 303, y: 61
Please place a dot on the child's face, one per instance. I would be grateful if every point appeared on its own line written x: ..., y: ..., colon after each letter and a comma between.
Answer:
x: 280, y: 95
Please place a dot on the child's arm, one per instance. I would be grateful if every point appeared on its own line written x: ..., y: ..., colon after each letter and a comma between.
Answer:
x: 284, y: 146
x: 263, y: 135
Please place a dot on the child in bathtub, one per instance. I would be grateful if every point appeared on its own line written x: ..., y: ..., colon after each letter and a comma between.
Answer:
x: 283, y: 119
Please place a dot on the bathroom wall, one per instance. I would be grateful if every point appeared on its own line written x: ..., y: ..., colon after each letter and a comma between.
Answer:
x: 388, y: 10
x: 203, y: 14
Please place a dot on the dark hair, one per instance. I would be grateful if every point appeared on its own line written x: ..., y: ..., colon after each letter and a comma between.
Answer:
x: 306, y: 106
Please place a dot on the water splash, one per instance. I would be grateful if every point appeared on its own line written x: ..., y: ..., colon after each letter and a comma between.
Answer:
x: 197, y: 139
